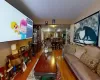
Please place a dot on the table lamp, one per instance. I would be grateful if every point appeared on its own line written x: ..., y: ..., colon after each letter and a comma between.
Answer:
x: 14, y: 50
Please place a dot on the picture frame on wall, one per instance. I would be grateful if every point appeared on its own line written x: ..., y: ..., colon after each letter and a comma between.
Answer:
x: 86, y: 31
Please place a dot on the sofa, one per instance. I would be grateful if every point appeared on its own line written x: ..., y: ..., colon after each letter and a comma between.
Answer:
x: 83, y: 60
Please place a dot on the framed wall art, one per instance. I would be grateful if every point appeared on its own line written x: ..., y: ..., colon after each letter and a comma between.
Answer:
x: 86, y: 31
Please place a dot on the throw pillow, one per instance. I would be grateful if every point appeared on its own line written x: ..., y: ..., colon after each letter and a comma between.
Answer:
x: 65, y: 48
x: 98, y: 69
x: 93, y: 51
x: 90, y: 61
x: 79, y: 51
x: 71, y: 49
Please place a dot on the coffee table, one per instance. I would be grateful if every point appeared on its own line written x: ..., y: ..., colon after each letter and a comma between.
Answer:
x: 46, y: 66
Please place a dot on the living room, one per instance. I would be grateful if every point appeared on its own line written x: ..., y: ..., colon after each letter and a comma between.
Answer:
x: 71, y: 16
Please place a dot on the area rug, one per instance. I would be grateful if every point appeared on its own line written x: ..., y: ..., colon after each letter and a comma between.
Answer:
x: 58, y: 76
x: 31, y: 75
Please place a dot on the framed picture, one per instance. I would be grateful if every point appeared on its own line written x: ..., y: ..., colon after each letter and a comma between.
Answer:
x: 86, y: 31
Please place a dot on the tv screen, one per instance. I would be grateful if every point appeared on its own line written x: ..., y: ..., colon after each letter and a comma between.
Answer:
x: 13, y: 24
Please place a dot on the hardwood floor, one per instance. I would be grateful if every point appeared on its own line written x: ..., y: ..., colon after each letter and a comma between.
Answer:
x: 66, y: 73
x: 24, y: 75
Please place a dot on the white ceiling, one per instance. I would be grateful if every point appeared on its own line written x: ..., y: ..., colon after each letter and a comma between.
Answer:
x: 56, y: 9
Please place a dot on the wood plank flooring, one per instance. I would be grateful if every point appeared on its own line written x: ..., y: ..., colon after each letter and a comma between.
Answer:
x: 23, y: 76
x: 66, y: 73
x: 63, y: 67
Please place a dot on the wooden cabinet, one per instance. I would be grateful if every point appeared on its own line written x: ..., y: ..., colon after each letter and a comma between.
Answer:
x: 36, y: 38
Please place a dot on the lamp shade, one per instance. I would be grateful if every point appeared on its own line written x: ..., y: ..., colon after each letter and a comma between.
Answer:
x: 13, y: 47
x: 14, y: 52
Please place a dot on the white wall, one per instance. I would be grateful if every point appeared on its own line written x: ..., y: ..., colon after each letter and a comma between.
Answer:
x: 58, y: 21
x: 90, y: 10
x: 72, y: 33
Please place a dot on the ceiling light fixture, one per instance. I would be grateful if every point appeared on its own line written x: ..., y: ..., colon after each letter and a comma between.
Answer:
x: 53, y: 26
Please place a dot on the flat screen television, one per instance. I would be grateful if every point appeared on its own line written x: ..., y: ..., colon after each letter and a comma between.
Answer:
x: 14, y: 25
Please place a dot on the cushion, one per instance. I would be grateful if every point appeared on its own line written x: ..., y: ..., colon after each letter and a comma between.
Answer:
x: 93, y: 51
x: 65, y: 49
x: 79, y: 51
x: 98, y: 69
x: 90, y: 61
x: 70, y: 58
x: 71, y: 49
x: 84, y: 72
